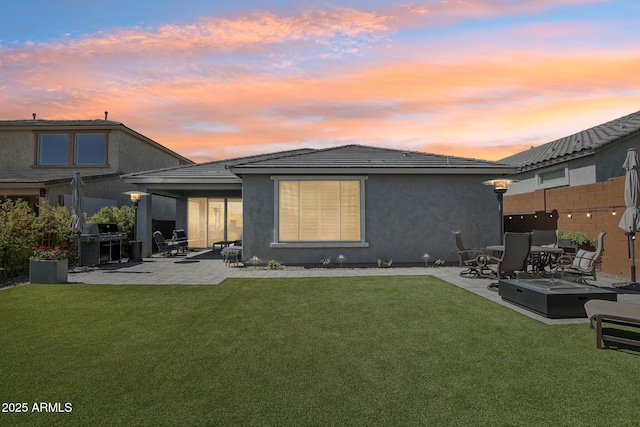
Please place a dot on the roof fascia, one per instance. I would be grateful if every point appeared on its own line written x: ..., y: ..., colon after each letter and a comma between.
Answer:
x: 376, y: 171
x: 190, y: 180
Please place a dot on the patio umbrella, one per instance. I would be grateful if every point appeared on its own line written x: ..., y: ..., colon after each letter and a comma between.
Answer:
x: 77, y: 207
x: 630, y: 221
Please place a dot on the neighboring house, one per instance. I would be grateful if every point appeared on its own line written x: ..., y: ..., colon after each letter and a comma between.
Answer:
x: 363, y: 203
x: 576, y: 183
x: 39, y: 158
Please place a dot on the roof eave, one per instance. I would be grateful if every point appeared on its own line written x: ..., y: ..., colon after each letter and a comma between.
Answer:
x: 460, y: 170
x: 180, y: 180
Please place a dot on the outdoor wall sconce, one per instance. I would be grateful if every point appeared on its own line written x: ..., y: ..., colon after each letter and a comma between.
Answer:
x: 569, y: 215
x: 500, y: 187
x: 42, y: 192
x: 589, y: 214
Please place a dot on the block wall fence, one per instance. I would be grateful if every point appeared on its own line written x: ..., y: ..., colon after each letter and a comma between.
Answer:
x: 601, y: 200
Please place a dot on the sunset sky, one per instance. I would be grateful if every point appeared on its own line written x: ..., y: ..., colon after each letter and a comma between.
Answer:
x: 219, y: 79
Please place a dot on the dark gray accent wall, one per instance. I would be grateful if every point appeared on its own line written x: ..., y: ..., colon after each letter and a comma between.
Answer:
x: 406, y: 216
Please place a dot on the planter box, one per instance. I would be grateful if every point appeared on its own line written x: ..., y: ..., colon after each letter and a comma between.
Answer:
x: 45, y: 271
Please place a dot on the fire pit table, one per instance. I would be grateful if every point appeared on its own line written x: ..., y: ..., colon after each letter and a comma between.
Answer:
x: 551, y: 297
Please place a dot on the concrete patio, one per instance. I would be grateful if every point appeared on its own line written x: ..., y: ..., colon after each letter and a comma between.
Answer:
x: 203, y: 268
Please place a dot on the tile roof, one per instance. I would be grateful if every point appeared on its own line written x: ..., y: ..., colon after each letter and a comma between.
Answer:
x: 49, y: 178
x: 209, y: 171
x: 577, y: 145
x: 56, y: 123
x: 365, y: 157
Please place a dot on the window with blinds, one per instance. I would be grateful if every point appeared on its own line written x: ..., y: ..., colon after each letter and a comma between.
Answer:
x: 318, y: 211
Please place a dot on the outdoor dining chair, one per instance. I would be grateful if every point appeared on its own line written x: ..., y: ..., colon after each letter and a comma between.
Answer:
x: 513, y: 259
x: 583, y: 263
x: 468, y: 257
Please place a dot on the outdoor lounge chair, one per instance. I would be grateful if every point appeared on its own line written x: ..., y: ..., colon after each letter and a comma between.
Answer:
x: 583, y: 263
x: 165, y: 246
x: 180, y: 237
x: 617, y: 313
x: 514, y: 257
x: 468, y: 257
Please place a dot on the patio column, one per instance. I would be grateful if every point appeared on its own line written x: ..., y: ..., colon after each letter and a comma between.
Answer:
x: 144, y: 225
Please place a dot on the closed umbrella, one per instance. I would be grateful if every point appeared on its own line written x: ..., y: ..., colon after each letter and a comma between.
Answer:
x: 630, y: 221
x: 77, y: 207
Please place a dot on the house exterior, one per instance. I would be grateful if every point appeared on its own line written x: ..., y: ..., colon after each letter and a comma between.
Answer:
x: 40, y: 157
x: 576, y: 184
x: 358, y: 202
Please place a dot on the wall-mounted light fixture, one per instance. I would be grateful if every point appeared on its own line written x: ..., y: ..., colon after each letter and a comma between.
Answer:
x: 589, y: 214
x: 42, y: 192
x: 569, y: 215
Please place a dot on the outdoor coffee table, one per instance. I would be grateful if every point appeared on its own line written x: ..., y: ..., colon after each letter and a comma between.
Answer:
x: 552, y: 297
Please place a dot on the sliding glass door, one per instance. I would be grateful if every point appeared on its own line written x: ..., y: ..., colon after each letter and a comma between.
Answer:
x: 214, y: 219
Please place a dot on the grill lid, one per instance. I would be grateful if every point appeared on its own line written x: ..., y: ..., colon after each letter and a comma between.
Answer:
x: 95, y: 228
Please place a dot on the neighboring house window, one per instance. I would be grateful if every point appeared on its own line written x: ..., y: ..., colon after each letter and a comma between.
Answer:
x: 553, y: 177
x: 91, y: 148
x: 319, y: 210
x: 53, y: 149
x: 72, y: 149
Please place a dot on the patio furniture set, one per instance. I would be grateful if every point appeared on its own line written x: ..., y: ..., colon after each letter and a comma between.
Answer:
x: 534, y: 273
x: 178, y: 242
x: 536, y: 252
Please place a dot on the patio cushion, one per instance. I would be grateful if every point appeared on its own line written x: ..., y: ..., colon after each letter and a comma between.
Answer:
x: 583, y: 259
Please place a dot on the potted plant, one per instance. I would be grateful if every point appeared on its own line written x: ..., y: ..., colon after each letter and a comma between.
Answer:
x: 48, y: 265
x: 575, y: 240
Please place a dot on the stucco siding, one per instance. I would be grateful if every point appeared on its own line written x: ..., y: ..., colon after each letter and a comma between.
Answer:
x: 406, y: 216
x: 21, y: 145
x: 132, y: 155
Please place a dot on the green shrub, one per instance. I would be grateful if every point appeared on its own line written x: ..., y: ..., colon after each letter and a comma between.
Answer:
x: 18, y: 234
x: 124, y: 217
x: 274, y: 265
x: 580, y: 239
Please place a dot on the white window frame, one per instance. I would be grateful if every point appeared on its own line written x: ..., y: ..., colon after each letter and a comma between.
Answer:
x: 332, y: 244
x: 559, y: 182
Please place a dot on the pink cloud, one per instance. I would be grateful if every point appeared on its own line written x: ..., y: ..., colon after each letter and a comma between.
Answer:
x: 170, y: 83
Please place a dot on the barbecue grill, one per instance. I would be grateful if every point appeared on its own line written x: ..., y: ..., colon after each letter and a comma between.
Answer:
x: 99, y: 243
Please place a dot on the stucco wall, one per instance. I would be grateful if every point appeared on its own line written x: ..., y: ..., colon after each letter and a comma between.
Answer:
x: 131, y: 154
x: 406, y: 216
x: 126, y: 153
x: 21, y: 145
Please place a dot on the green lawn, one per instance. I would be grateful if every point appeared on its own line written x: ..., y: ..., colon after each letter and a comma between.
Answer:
x: 321, y: 351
